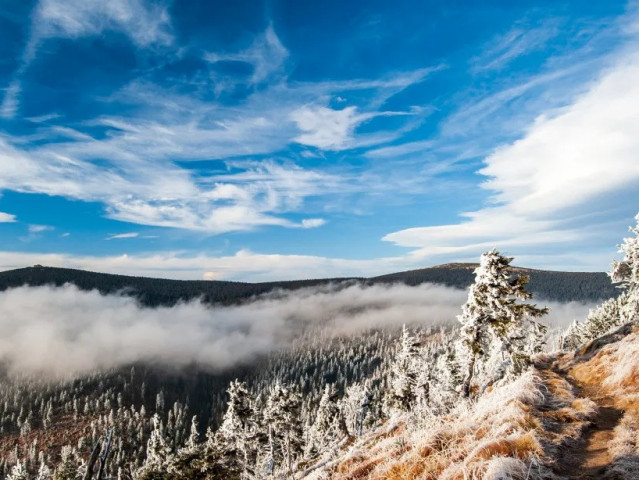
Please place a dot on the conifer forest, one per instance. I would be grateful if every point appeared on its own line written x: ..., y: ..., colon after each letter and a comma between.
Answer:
x: 478, y: 394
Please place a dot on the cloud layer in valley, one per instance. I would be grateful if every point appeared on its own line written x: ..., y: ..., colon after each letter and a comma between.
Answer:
x: 57, y: 332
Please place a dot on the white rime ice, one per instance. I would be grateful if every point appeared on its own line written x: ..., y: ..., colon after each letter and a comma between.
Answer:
x: 158, y: 453
x: 282, y: 415
x: 498, y: 334
x: 329, y: 424
x: 18, y: 472
x: 616, y: 311
x: 404, y: 373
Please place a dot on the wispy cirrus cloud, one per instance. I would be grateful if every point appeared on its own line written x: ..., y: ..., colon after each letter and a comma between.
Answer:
x: 10, y: 101
x: 39, y: 228
x: 544, y: 184
x: 256, y: 194
x: 518, y: 41
x: 123, y: 235
x: 143, y: 22
x: 266, y: 55
x: 127, y: 168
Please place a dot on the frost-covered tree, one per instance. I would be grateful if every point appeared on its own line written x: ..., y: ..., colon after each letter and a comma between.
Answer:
x: 234, y: 435
x: 67, y: 469
x: 158, y: 453
x: 18, y: 472
x: 328, y: 425
x: 355, y: 407
x: 282, y: 416
x: 44, y: 473
x: 404, y: 373
x: 626, y: 271
x: 440, y: 376
x: 498, y: 334
x: 192, y: 442
x: 614, y: 312
x: 238, y: 412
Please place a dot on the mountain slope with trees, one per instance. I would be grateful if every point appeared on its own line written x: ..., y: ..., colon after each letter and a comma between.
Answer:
x: 479, y: 401
x: 152, y: 292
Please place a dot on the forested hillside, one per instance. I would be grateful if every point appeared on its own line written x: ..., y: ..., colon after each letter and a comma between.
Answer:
x: 548, y: 285
x: 485, y: 400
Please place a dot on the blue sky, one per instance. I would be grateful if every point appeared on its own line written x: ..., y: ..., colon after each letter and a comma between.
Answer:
x: 275, y: 140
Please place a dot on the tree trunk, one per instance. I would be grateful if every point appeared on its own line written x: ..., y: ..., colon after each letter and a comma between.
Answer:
x: 469, y: 377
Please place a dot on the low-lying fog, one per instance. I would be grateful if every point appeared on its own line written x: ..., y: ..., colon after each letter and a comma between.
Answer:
x: 58, y: 331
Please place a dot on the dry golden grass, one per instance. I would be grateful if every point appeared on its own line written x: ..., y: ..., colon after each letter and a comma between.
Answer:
x: 510, y: 427
x: 505, y: 425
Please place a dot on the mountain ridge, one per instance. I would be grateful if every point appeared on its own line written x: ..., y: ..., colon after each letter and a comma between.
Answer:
x: 150, y: 291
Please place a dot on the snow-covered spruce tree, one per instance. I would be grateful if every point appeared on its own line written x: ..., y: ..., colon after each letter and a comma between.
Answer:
x: 439, y: 377
x: 498, y: 334
x: 188, y: 463
x: 355, y: 407
x: 67, y: 469
x: 614, y: 312
x: 18, y: 472
x: 282, y: 416
x: 626, y: 271
x: 192, y: 443
x: 234, y: 435
x: 328, y: 426
x: 158, y: 454
x: 43, y: 472
x: 404, y: 372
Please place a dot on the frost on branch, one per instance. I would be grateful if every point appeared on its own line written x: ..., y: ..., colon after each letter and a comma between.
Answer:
x: 498, y: 334
x: 614, y: 312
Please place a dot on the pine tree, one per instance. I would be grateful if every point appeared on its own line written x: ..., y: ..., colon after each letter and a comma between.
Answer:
x: 329, y: 424
x: 234, y: 435
x: 626, y: 271
x: 43, y: 472
x: 67, y: 469
x: 355, y: 407
x: 404, y: 373
x: 282, y: 415
x: 158, y: 454
x: 18, y: 472
x: 192, y: 442
x: 614, y: 312
x: 498, y: 334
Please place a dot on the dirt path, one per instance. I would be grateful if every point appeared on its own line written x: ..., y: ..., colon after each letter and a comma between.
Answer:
x: 589, y: 457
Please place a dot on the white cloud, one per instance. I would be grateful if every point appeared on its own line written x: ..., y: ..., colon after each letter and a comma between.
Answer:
x: 266, y: 54
x: 39, y: 228
x: 145, y: 23
x: 568, y: 160
x: 123, y: 235
x: 7, y: 218
x: 518, y: 41
x: 326, y: 128
x: 313, y: 222
x: 401, y: 150
x: 11, y: 100
x: 257, y: 194
x: 331, y: 129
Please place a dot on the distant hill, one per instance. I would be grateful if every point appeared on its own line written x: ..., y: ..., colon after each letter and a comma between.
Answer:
x: 549, y: 285
x: 544, y: 284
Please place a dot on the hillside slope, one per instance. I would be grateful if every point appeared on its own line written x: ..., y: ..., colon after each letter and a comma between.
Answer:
x: 575, y: 416
x: 547, y: 285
